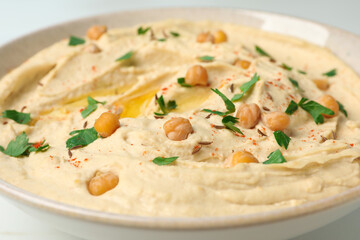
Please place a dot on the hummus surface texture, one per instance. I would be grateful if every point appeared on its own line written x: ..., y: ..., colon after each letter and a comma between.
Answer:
x: 53, y: 86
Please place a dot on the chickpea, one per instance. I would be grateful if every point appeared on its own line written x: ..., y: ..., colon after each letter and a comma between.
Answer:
x: 95, y: 32
x: 322, y: 84
x: 249, y: 115
x: 196, y: 75
x: 277, y: 121
x: 242, y: 63
x: 220, y: 36
x: 241, y: 157
x: 178, y: 128
x: 329, y: 102
x: 102, y: 182
x: 205, y: 37
x: 107, y: 124
x: 92, y: 48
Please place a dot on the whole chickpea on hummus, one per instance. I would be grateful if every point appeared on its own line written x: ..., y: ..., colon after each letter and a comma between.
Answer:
x: 179, y: 118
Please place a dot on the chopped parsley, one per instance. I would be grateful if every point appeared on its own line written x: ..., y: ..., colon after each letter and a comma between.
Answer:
x: 142, y: 31
x: 19, y: 117
x: 126, y: 56
x: 181, y: 82
x: 229, y: 123
x: 82, y: 138
x: 282, y: 139
x: 313, y: 108
x: 275, y: 157
x: 330, y: 73
x: 92, y: 106
x: 163, y: 161
x: 206, y: 58
x: 162, y: 39
x: 301, y: 72
x: 165, y: 108
x: 229, y: 105
x: 175, y: 34
x: 262, y: 52
x: 21, y: 146
x: 246, y: 87
x: 295, y: 83
x: 342, y: 109
x: 286, y: 67
x: 74, y: 41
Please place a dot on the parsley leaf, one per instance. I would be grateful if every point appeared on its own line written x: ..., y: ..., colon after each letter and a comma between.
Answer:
x: 291, y: 108
x: 301, y: 72
x: 163, y: 161
x: 165, y: 108
x: 214, y: 112
x: 206, y: 58
x: 286, y: 67
x: 19, y: 117
x: 82, y: 137
x: 175, y: 34
x: 330, y: 73
x: 275, y: 157
x: 73, y: 41
x: 126, y: 56
x: 162, y: 39
x: 315, y: 109
x: 229, y: 105
x: 295, y: 83
x: 246, y: 87
x: 92, y: 106
x: 181, y: 82
x: 342, y: 109
x: 282, y: 139
x: 262, y: 52
x: 142, y: 31
x: 21, y: 146
x: 229, y: 122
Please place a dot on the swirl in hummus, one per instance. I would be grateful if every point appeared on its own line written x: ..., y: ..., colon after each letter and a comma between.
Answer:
x: 179, y: 118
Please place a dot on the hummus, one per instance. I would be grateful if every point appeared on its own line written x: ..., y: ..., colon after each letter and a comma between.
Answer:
x: 53, y: 86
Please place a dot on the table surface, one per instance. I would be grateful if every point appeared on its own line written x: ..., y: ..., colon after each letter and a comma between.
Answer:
x: 22, y: 16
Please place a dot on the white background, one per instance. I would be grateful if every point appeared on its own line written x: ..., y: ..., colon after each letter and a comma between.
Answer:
x: 19, y: 17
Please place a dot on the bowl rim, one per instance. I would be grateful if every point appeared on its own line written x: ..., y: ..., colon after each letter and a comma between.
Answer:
x: 177, y: 223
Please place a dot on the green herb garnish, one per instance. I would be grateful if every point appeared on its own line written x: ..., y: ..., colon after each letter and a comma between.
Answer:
x: 142, y: 31
x: 262, y: 52
x: 275, y: 157
x: 286, y: 67
x: 165, y: 108
x: 342, y: 109
x: 92, y: 106
x: 229, y: 105
x: 73, y: 41
x: 19, y: 117
x: 163, y: 161
x: 330, y: 73
x: 162, y: 39
x: 175, y: 34
x: 206, y: 58
x: 229, y: 123
x: 246, y: 87
x: 282, y: 139
x: 293, y: 106
x: 126, y: 56
x: 21, y: 146
x: 181, y: 82
x: 315, y: 109
x: 301, y: 72
x: 295, y: 83
x: 82, y: 138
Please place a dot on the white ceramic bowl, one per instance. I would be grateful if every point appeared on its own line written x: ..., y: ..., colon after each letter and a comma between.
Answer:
x: 279, y: 224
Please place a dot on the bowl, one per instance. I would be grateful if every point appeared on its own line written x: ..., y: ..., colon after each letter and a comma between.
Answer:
x: 278, y: 224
